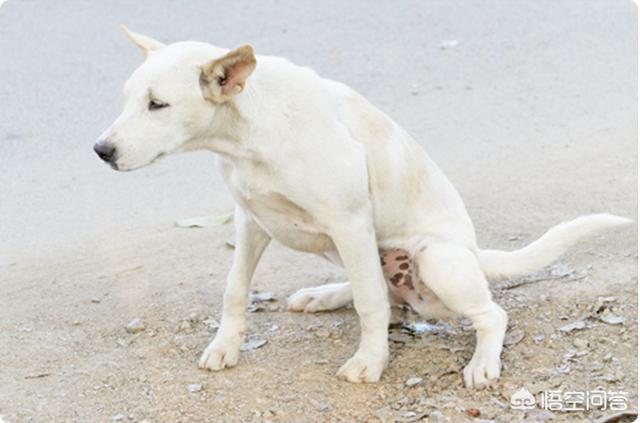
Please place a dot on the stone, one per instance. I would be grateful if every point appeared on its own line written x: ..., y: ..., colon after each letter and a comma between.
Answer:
x: 136, y: 325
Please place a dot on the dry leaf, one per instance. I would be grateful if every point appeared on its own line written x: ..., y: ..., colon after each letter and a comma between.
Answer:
x: 205, y: 221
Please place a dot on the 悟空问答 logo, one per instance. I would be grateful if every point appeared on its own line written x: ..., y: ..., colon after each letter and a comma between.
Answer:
x: 522, y: 400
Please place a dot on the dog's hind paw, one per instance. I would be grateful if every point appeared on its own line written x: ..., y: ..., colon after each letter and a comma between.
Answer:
x: 320, y: 298
x: 302, y: 299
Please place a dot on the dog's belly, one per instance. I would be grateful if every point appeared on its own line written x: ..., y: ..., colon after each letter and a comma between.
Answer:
x: 291, y: 235
x: 288, y: 223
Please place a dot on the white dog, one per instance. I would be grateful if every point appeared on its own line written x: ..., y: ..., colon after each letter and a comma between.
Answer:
x: 312, y: 164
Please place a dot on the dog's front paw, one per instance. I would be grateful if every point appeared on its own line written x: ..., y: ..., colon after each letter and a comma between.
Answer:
x: 220, y: 354
x: 363, y: 367
x: 481, y: 371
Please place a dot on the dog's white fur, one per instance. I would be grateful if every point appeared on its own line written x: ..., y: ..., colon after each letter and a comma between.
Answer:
x: 315, y: 166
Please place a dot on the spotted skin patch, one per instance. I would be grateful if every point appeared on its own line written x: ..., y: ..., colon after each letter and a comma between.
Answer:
x: 399, y: 273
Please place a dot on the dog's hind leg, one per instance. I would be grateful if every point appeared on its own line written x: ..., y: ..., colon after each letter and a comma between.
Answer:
x: 453, y: 274
x: 321, y: 298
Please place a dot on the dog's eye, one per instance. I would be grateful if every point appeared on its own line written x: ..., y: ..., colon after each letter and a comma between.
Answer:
x: 156, y: 104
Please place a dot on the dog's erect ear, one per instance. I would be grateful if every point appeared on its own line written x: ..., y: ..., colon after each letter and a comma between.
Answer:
x: 144, y: 43
x: 224, y: 77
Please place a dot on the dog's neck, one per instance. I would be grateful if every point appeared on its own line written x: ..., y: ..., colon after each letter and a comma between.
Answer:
x: 228, y: 134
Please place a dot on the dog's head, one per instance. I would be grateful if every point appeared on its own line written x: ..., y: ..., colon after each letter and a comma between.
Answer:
x: 173, y: 100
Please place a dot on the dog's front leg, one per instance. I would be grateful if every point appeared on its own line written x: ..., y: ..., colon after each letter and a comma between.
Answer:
x: 356, y: 244
x: 251, y: 241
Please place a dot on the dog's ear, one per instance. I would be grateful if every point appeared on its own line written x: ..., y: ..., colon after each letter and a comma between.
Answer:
x: 144, y: 43
x: 226, y: 76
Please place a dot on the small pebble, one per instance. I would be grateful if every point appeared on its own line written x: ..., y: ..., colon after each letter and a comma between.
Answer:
x: 577, y: 325
x: 194, y: 388
x: 472, y: 412
x: 449, y: 44
x: 95, y: 300
x: 117, y: 418
x: 413, y: 381
x: 253, y: 344
x: 136, y: 325
x: 612, y: 319
x: 323, y: 406
x: 260, y: 296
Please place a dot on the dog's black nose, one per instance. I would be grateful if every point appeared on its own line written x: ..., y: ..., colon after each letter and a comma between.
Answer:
x: 105, y: 150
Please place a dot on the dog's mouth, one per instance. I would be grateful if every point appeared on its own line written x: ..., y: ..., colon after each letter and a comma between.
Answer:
x: 121, y: 168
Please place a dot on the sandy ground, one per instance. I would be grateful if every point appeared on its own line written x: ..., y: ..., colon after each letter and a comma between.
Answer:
x: 532, y: 115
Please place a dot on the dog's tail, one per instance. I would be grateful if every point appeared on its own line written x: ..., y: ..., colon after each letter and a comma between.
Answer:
x: 501, y: 264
